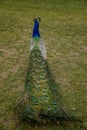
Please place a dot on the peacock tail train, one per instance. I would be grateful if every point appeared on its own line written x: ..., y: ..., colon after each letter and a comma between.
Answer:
x: 42, y: 100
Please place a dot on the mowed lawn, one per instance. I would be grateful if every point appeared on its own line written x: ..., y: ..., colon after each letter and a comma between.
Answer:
x: 64, y: 30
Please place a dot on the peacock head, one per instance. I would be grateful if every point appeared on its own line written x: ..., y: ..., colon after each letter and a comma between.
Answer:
x: 37, y: 20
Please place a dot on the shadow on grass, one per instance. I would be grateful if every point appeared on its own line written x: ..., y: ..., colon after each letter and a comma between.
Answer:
x: 49, y: 125
x: 59, y: 125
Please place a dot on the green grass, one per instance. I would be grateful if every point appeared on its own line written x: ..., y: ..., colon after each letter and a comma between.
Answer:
x: 64, y: 28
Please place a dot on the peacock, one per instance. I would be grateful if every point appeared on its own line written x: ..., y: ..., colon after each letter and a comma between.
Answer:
x: 42, y: 100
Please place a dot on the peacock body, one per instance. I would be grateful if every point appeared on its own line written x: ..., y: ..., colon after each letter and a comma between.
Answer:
x: 43, y: 101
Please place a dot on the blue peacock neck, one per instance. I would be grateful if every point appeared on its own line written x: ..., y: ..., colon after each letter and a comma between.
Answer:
x: 36, y: 41
x: 36, y: 33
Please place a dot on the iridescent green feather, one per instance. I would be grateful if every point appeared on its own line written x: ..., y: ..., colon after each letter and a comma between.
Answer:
x: 42, y: 100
